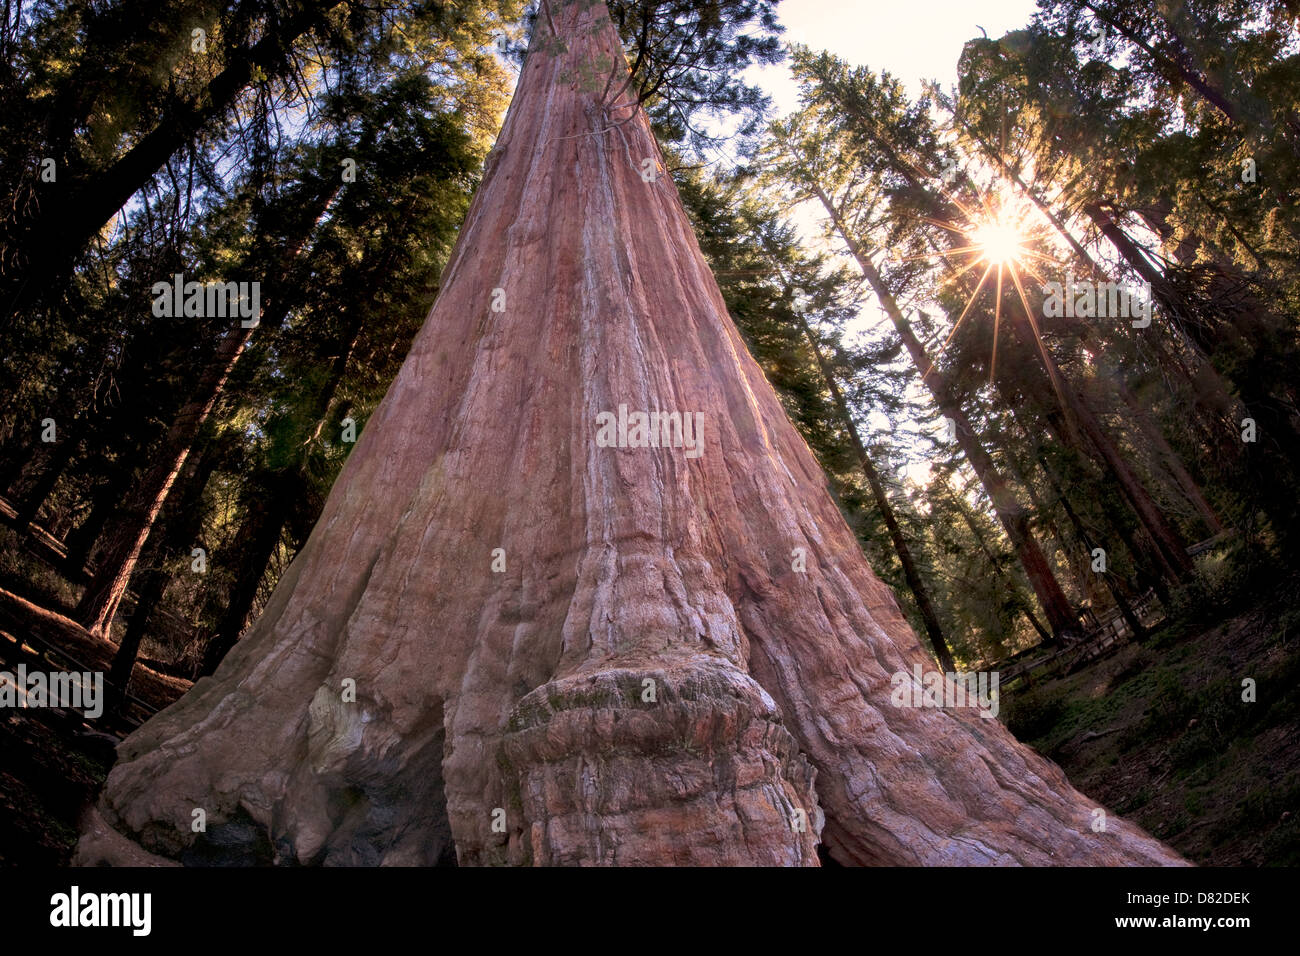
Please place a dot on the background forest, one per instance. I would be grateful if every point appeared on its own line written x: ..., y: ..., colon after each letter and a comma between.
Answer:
x: 1103, y: 506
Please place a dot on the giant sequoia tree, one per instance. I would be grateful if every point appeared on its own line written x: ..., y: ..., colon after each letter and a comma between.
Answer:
x: 505, y: 642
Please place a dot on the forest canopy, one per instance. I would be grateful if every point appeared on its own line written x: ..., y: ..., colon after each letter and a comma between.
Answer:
x: 328, y: 152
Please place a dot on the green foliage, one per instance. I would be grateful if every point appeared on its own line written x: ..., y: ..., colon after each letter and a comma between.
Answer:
x: 1030, y: 715
x: 406, y: 94
x: 688, y: 60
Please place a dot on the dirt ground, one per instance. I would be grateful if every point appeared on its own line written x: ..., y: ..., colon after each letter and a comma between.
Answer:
x: 1162, y: 733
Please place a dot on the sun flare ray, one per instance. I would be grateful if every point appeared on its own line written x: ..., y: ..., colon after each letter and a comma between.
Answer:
x: 999, y: 235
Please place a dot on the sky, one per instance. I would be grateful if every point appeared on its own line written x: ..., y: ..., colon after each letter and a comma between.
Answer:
x: 914, y: 39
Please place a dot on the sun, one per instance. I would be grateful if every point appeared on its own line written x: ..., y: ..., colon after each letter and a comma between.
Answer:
x: 998, y: 233
x: 999, y: 243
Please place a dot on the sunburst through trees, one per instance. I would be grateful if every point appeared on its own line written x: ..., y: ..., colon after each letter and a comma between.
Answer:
x: 1000, y: 234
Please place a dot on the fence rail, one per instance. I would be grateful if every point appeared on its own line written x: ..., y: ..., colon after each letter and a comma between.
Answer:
x: 1104, y: 635
x: 38, y: 654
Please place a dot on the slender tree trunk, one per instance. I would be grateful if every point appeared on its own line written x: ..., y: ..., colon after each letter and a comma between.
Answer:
x: 259, y: 536
x: 994, y: 154
x: 1079, y: 416
x: 1172, y: 548
x: 1138, y: 261
x: 1060, y: 615
x: 928, y: 615
x: 1078, y: 413
x: 1173, y: 555
x: 176, y: 533
x: 117, y: 562
x: 1210, y: 93
x: 1044, y: 634
x: 1188, y: 67
x: 1274, y: 456
x: 151, y: 582
x: 1079, y: 570
x: 16, y: 455
x: 1153, y: 566
x: 1209, y: 389
x: 54, y: 466
x: 1114, y: 582
x: 106, y: 501
x: 1190, y: 488
x: 1107, y: 577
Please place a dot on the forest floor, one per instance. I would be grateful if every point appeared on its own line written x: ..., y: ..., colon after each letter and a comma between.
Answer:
x: 52, y: 766
x: 52, y: 763
x: 1159, y: 732
x: 1156, y: 731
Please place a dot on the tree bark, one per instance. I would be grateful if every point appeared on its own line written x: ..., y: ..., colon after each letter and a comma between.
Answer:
x: 648, y: 681
x: 175, y: 534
